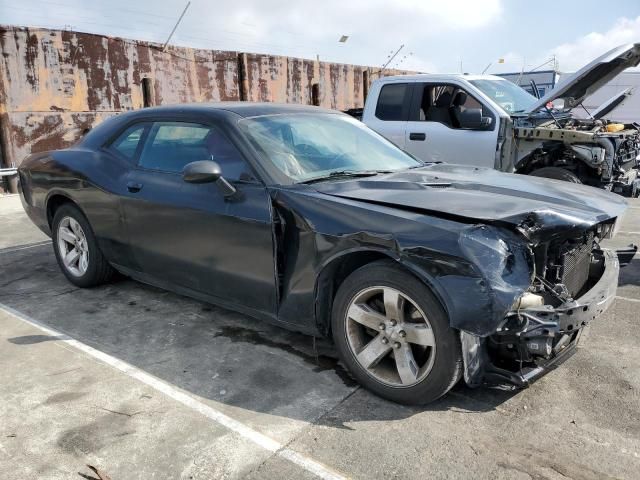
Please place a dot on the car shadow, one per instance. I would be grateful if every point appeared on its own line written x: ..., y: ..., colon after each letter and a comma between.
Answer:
x: 630, y: 274
x: 216, y: 354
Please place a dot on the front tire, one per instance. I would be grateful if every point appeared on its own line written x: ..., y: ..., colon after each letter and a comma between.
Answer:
x: 394, y: 336
x: 76, y: 249
x: 556, y: 173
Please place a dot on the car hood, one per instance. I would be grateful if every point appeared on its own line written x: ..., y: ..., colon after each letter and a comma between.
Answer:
x: 538, y: 207
x: 591, y: 77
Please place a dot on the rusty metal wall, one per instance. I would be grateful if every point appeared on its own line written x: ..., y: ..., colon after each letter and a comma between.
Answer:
x: 55, y: 84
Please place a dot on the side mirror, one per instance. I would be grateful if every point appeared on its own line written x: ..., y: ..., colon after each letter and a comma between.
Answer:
x: 207, y: 171
x: 204, y: 171
x: 471, y: 118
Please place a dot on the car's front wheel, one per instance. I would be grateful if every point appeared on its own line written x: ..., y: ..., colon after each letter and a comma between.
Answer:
x: 76, y: 249
x: 394, y: 336
x: 556, y: 173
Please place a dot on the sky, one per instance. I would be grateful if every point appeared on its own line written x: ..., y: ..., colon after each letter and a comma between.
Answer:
x: 437, y: 36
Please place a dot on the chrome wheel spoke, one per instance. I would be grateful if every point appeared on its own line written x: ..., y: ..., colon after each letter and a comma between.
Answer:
x: 83, y: 263
x: 67, y: 235
x: 406, y: 364
x: 419, y: 334
x: 71, y: 257
x: 76, y: 228
x: 393, y: 303
x: 373, y: 352
x: 365, y: 315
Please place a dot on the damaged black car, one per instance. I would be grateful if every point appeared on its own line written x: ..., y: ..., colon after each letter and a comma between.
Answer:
x: 421, y: 273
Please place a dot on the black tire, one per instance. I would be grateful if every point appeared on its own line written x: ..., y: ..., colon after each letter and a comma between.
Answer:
x: 556, y: 173
x: 447, y: 366
x: 99, y: 271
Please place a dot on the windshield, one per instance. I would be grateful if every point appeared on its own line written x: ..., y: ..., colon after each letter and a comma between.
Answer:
x: 512, y: 98
x: 311, y: 146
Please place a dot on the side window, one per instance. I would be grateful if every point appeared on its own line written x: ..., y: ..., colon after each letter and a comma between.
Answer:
x: 446, y: 104
x: 171, y: 145
x: 127, y: 143
x: 392, y: 102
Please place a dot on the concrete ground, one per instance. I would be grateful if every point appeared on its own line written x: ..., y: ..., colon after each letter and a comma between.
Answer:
x: 141, y: 383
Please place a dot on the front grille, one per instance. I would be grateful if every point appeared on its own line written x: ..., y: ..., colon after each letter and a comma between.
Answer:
x: 575, y: 266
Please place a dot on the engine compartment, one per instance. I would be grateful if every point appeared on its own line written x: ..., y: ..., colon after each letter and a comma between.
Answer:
x: 599, y: 152
x: 553, y: 312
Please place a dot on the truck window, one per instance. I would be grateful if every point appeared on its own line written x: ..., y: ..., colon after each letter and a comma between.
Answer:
x: 443, y: 104
x: 392, y: 102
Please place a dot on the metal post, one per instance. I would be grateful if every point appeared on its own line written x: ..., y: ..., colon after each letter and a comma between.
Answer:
x: 10, y: 183
x: 175, y: 26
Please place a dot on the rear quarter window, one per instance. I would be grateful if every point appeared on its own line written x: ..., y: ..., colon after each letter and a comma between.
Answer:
x: 128, y: 142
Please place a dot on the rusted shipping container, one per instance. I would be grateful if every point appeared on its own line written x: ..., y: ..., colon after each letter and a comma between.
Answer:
x: 56, y: 84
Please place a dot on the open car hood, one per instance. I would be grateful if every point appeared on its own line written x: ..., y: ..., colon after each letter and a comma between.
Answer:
x: 591, y: 77
x: 538, y: 207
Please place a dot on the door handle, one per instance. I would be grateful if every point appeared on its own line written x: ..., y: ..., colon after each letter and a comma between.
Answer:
x: 134, y: 187
x: 417, y: 136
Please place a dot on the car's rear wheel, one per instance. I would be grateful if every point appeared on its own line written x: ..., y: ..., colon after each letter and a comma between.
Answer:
x: 394, y: 336
x: 556, y: 173
x: 76, y: 249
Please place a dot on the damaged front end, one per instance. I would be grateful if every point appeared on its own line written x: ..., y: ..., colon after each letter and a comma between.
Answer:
x: 573, y: 282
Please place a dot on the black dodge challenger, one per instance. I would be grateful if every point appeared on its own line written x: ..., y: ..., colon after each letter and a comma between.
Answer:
x: 422, y: 273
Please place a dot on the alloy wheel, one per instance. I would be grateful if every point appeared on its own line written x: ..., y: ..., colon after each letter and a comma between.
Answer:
x: 72, y: 246
x: 390, y: 336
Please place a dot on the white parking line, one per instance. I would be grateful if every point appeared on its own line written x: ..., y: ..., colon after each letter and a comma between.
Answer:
x: 629, y: 233
x: 628, y: 299
x: 25, y: 247
x: 240, y: 428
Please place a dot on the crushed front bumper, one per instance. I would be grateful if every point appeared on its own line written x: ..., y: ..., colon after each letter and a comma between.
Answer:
x: 554, y: 332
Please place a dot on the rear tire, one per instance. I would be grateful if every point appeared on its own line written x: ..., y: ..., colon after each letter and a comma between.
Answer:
x: 413, y: 359
x: 556, y: 173
x: 76, y: 248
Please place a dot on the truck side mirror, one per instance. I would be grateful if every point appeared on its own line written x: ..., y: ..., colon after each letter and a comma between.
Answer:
x: 472, y: 119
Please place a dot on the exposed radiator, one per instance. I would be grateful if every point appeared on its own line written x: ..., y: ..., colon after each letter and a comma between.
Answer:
x: 575, y: 266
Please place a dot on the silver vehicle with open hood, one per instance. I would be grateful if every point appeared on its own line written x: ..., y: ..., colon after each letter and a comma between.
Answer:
x: 488, y: 121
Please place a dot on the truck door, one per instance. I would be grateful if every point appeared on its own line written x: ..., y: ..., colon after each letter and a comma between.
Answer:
x: 387, y: 111
x: 436, y: 130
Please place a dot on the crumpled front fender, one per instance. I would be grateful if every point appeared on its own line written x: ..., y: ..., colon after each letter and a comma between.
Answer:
x: 479, y: 288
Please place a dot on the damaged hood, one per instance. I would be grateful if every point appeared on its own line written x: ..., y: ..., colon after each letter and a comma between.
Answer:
x: 538, y: 207
x: 591, y: 77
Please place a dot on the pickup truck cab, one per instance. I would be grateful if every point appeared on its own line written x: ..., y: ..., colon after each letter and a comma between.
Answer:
x: 487, y: 121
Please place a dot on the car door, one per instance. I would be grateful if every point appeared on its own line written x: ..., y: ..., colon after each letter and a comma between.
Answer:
x: 387, y: 111
x: 191, y: 235
x: 433, y: 135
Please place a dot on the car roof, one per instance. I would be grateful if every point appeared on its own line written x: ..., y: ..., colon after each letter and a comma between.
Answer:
x: 243, y: 109
x: 433, y: 77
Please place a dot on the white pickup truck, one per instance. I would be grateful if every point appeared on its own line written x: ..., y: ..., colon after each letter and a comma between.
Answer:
x: 487, y: 121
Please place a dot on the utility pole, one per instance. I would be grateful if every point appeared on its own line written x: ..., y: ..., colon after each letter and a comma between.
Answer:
x: 175, y: 26
x: 392, y: 57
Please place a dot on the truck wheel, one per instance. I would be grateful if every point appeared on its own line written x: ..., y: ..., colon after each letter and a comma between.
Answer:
x: 394, y: 336
x: 556, y: 173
